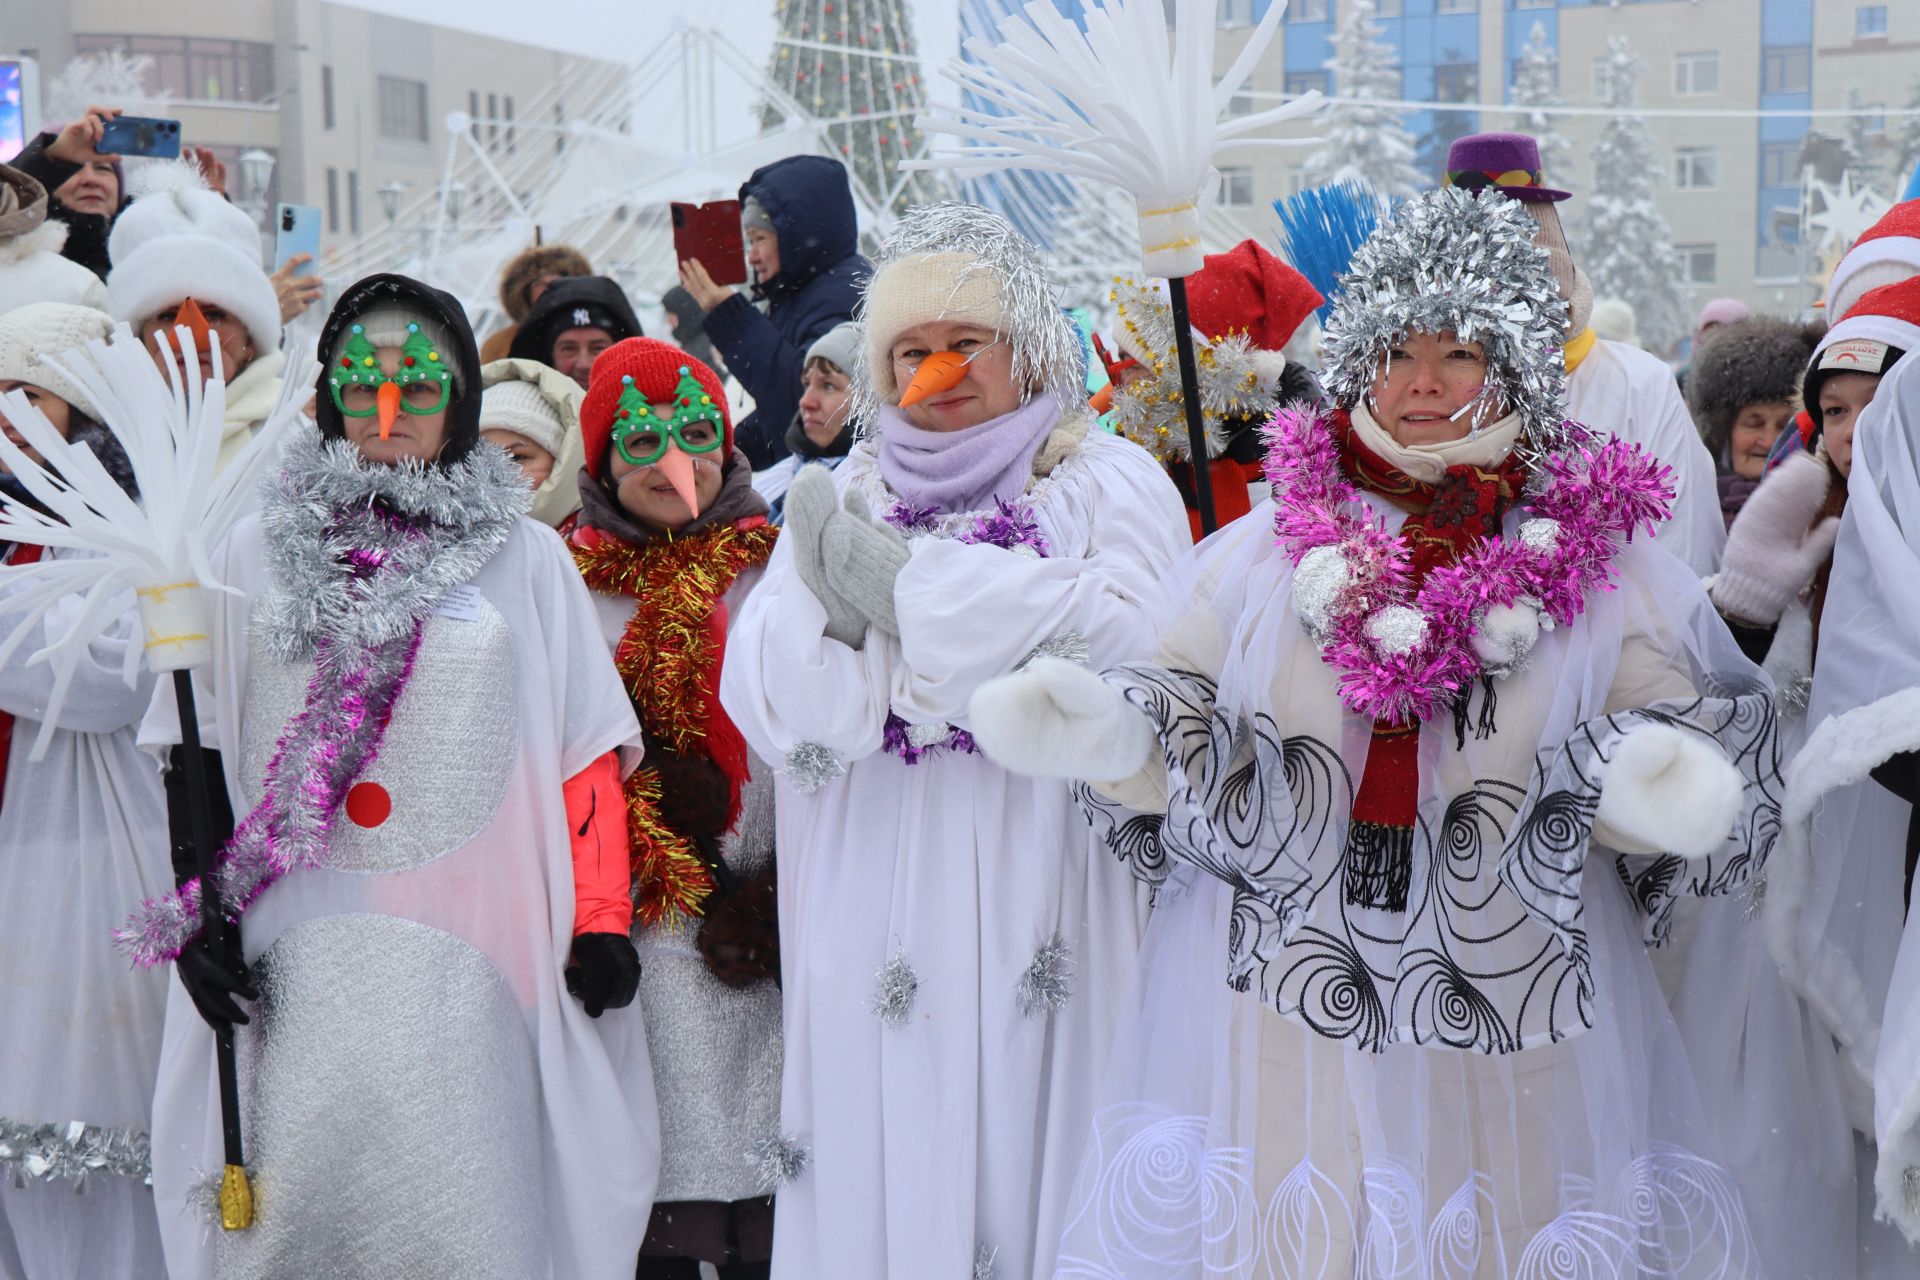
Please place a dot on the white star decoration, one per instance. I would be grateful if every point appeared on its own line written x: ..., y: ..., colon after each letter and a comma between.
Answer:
x: 1846, y: 211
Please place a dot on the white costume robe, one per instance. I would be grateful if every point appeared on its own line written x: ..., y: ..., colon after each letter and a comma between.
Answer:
x: 1625, y: 391
x: 420, y: 1095
x: 83, y: 838
x: 951, y: 1134
x: 1486, y: 1083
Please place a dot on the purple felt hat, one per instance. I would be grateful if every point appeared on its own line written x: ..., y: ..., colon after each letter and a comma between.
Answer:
x: 1507, y: 162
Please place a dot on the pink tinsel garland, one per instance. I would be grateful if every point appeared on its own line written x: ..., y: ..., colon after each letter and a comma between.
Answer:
x: 1594, y: 499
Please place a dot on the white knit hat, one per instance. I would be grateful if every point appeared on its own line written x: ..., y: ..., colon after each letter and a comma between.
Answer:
x: 180, y: 240
x: 48, y: 329
x: 519, y: 407
x: 929, y: 286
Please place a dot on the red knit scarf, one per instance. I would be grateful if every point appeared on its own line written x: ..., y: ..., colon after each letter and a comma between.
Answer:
x: 1444, y: 521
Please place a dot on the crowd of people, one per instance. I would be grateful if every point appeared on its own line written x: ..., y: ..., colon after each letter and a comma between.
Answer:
x: 806, y: 796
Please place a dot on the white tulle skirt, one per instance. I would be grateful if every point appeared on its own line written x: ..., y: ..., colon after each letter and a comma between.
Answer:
x: 1230, y: 1141
x: 48, y: 1231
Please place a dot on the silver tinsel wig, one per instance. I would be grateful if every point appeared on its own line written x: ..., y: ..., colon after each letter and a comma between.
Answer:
x: 1445, y: 260
x: 1046, y: 349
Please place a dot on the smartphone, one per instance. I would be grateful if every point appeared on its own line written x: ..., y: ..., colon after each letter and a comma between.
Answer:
x: 147, y: 136
x: 296, y: 230
x: 19, y: 105
x: 711, y: 233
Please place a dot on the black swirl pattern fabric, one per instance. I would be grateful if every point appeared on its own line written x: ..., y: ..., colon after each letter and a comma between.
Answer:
x: 1490, y: 954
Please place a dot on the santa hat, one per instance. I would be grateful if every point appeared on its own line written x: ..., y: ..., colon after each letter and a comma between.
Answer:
x: 1245, y: 291
x: 655, y: 368
x: 178, y: 240
x: 1887, y: 252
x: 1880, y: 328
x: 29, y: 334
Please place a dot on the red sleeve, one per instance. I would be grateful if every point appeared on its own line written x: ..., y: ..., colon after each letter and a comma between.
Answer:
x: 597, y: 826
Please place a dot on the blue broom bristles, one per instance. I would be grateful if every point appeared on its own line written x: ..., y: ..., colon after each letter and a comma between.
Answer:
x: 1321, y: 227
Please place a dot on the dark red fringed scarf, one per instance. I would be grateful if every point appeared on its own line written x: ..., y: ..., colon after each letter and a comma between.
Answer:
x: 22, y: 553
x: 1444, y: 521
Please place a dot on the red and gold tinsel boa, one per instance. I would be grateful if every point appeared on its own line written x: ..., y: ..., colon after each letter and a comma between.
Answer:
x: 669, y: 659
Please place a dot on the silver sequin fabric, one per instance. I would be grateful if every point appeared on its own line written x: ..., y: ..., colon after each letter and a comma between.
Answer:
x: 392, y: 1112
x: 455, y: 725
x: 715, y: 1050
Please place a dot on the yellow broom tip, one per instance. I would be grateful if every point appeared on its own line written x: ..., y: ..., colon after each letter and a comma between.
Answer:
x: 236, y: 1199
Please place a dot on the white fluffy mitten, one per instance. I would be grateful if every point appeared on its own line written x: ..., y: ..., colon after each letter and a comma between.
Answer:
x: 1667, y: 791
x: 1771, y: 555
x: 1056, y: 719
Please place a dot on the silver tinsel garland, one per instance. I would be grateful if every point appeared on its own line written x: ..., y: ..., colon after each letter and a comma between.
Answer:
x: 1070, y: 646
x: 1445, y: 260
x: 1151, y: 410
x: 1047, y: 356
x: 74, y: 1151
x: 1047, y: 984
x: 777, y: 1160
x: 810, y: 766
x: 983, y: 1262
x: 894, y: 987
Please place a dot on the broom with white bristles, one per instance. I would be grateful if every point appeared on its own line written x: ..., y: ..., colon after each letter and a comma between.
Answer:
x: 1121, y: 102
x: 157, y: 548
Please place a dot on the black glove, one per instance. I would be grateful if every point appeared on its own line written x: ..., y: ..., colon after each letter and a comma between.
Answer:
x: 212, y: 983
x: 605, y: 973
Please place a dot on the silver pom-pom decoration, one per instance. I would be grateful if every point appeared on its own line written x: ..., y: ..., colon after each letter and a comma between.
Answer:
x: 928, y: 735
x: 1068, y: 646
x: 1539, y: 534
x: 777, y: 1161
x: 1047, y: 984
x: 1318, y: 580
x: 1396, y: 629
x: 1046, y: 349
x: 983, y: 1262
x: 1504, y: 635
x: 72, y: 1152
x: 810, y: 766
x: 1756, y: 895
x: 1448, y: 261
x: 894, y: 987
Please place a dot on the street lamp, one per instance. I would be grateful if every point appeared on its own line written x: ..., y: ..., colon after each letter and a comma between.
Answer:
x: 256, y: 172
x: 390, y: 196
x: 454, y: 197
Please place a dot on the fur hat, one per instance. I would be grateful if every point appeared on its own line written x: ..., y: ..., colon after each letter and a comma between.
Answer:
x: 527, y: 266
x: 1759, y: 360
x: 177, y: 240
x: 29, y: 333
x: 32, y: 268
x: 655, y: 368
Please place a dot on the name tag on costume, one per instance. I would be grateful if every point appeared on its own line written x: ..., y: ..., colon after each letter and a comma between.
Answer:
x: 462, y: 604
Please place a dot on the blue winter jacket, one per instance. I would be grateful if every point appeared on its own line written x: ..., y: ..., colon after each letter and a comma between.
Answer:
x: 821, y: 275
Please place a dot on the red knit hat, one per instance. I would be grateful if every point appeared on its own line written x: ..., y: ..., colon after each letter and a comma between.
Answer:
x: 1248, y: 290
x: 1883, y: 326
x: 655, y: 367
x: 1886, y: 252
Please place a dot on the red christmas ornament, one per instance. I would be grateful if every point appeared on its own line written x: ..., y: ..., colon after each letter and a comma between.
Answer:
x: 368, y: 804
x: 409, y: 362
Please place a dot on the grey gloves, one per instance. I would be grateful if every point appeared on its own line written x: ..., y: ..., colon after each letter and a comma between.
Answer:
x: 844, y: 558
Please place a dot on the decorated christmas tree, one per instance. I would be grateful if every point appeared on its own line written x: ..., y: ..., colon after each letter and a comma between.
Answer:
x: 1365, y: 142
x: 1626, y: 247
x: 1536, y: 87
x: 853, y: 65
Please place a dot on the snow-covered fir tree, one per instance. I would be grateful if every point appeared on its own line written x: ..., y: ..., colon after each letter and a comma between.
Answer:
x: 1626, y: 247
x: 1536, y: 87
x: 1906, y: 144
x: 1365, y: 142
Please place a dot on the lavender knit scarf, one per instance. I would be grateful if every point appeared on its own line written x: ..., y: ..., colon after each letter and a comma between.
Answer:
x: 969, y: 469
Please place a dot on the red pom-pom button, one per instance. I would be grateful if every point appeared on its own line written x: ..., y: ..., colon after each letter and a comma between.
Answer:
x: 368, y: 804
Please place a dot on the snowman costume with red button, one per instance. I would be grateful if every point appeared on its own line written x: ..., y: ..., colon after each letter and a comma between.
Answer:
x: 416, y: 663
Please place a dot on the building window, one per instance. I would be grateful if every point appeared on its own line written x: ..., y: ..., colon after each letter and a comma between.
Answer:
x: 1237, y: 186
x: 353, y: 201
x: 1456, y: 82
x: 1780, y: 164
x: 326, y: 97
x: 403, y: 109
x: 333, y: 201
x: 1299, y: 82
x: 1457, y: 6
x: 1233, y: 13
x: 473, y: 114
x: 493, y: 119
x: 1696, y: 74
x: 1869, y: 20
x: 1387, y: 9
x: 194, y: 69
x: 1786, y: 70
x: 1696, y: 168
x: 1875, y: 119
x: 1308, y: 11
x: 1535, y: 4
x: 507, y: 102
x: 1699, y: 263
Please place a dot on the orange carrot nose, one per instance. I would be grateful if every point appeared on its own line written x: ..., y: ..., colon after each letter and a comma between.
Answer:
x: 191, y: 318
x: 387, y: 401
x: 677, y: 467
x: 1102, y: 399
x: 939, y: 372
